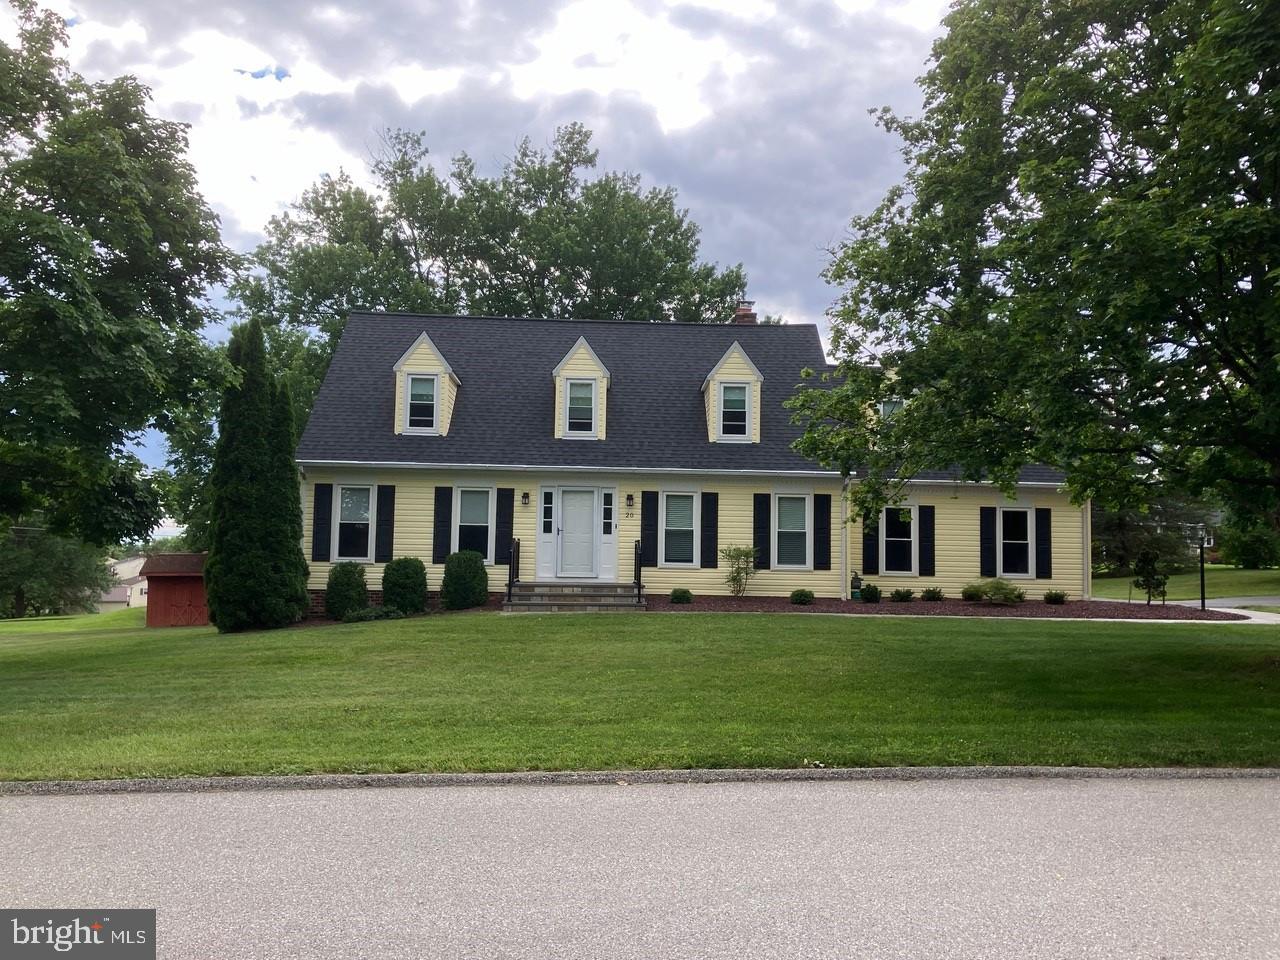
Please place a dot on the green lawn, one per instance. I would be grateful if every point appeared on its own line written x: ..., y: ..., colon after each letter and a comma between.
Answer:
x: 1219, y: 581
x: 102, y: 697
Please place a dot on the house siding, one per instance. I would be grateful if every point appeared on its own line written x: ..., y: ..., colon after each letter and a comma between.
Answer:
x: 955, y: 545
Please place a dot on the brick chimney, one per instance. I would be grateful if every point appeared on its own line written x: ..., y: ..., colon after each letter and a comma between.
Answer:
x: 745, y: 312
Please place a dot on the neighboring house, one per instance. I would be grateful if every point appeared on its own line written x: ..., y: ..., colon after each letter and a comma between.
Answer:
x: 130, y: 589
x: 595, y: 443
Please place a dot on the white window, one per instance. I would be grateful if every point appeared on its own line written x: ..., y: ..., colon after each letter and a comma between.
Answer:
x: 792, y: 523
x: 606, y: 511
x: 897, y: 541
x: 354, y: 534
x: 735, y: 411
x: 1015, y: 542
x: 474, y: 527
x: 891, y: 406
x: 679, y: 520
x: 420, y: 404
x: 580, y: 408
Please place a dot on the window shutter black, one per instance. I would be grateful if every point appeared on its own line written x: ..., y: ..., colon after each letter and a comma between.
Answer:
x: 926, y: 516
x: 649, y: 528
x: 383, y: 542
x: 870, y: 546
x: 322, y: 521
x: 1044, y: 543
x: 987, y: 542
x: 442, y: 527
x: 761, y: 508
x: 822, y: 531
x: 506, y: 519
x: 710, y: 530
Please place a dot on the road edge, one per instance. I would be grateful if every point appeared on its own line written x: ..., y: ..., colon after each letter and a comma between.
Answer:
x: 349, y: 781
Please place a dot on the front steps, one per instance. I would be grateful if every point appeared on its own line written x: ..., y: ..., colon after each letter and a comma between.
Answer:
x: 558, y: 597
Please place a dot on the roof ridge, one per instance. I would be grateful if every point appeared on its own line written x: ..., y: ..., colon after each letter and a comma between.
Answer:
x: 637, y: 323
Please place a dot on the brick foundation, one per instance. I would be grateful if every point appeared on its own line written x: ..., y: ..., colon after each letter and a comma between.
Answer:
x: 316, y: 609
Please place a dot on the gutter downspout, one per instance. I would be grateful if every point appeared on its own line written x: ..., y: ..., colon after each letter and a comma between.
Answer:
x: 844, y: 540
x: 1086, y: 531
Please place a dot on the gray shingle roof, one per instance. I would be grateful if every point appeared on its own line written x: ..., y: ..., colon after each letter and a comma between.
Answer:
x: 504, y: 412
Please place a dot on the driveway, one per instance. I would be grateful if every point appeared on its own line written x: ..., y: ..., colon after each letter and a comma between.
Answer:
x: 981, y: 869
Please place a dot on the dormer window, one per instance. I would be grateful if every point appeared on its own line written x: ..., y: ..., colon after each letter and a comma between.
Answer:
x: 580, y: 411
x: 426, y: 390
x: 734, y: 413
x: 581, y: 383
x: 732, y: 393
x: 421, y: 391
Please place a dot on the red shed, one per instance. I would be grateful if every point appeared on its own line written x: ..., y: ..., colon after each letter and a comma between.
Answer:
x: 175, y: 590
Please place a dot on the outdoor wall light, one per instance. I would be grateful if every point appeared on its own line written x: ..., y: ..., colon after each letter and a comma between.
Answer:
x: 524, y: 499
x: 631, y: 501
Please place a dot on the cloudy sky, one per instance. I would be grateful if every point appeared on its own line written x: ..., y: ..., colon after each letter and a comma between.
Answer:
x: 755, y: 111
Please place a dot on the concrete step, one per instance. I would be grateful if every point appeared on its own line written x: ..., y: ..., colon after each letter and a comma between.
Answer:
x: 574, y: 589
x: 555, y: 606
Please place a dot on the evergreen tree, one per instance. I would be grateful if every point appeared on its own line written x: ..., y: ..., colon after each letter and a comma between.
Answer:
x: 252, y: 574
x: 287, y: 510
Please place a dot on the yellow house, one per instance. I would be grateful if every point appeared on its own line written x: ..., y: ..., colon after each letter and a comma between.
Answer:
x: 618, y: 459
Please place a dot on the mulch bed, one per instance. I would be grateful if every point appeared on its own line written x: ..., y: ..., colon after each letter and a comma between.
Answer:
x: 1090, y: 609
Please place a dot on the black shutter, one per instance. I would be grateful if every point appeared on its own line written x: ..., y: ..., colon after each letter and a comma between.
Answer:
x: 322, y: 521
x: 1044, y: 543
x: 822, y: 531
x: 926, y: 516
x: 710, y: 530
x: 506, y: 518
x: 649, y: 528
x: 870, y: 546
x: 383, y: 543
x: 987, y: 542
x: 442, y: 527
x: 762, y: 506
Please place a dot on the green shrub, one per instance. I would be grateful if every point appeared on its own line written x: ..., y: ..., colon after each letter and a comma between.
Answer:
x: 365, y: 614
x: 1002, y: 593
x: 802, y: 597
x: 465, y: 583
x: 741, y: 564
x: 973, y: 592
x: 404, y: 585
x: 932, y: 594
x: 902, y: 595
x: 681, y: 595
x: 1249, y: 544
x: 345, y: 591
x: 870, y: 593
x: 1055, y: 597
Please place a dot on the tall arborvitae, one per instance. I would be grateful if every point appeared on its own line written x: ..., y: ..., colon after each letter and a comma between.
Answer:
x: 251, y: 577
x: 287, y: 511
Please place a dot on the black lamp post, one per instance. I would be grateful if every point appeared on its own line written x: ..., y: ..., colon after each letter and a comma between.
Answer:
x: 1202, y: 603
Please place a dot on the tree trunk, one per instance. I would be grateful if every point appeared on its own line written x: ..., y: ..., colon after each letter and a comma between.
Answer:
x: 19, y: 603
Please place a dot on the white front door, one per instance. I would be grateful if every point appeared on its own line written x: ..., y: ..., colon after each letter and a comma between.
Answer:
x: 577, y: 533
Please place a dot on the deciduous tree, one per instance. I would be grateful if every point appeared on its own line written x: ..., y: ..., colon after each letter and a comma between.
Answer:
x: 106, y: 251
x: 1082, y: 264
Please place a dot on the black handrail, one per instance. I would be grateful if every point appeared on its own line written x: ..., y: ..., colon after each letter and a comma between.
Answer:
x: 513, y: 568
x: 639, y: 584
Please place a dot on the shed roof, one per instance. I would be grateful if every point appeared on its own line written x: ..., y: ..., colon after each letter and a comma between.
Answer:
x: 174, y: 565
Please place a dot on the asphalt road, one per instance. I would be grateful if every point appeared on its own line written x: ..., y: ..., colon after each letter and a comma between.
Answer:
x: 987, y: 869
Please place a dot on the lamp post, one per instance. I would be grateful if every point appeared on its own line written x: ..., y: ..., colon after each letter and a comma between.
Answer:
x: 1202, y: 604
